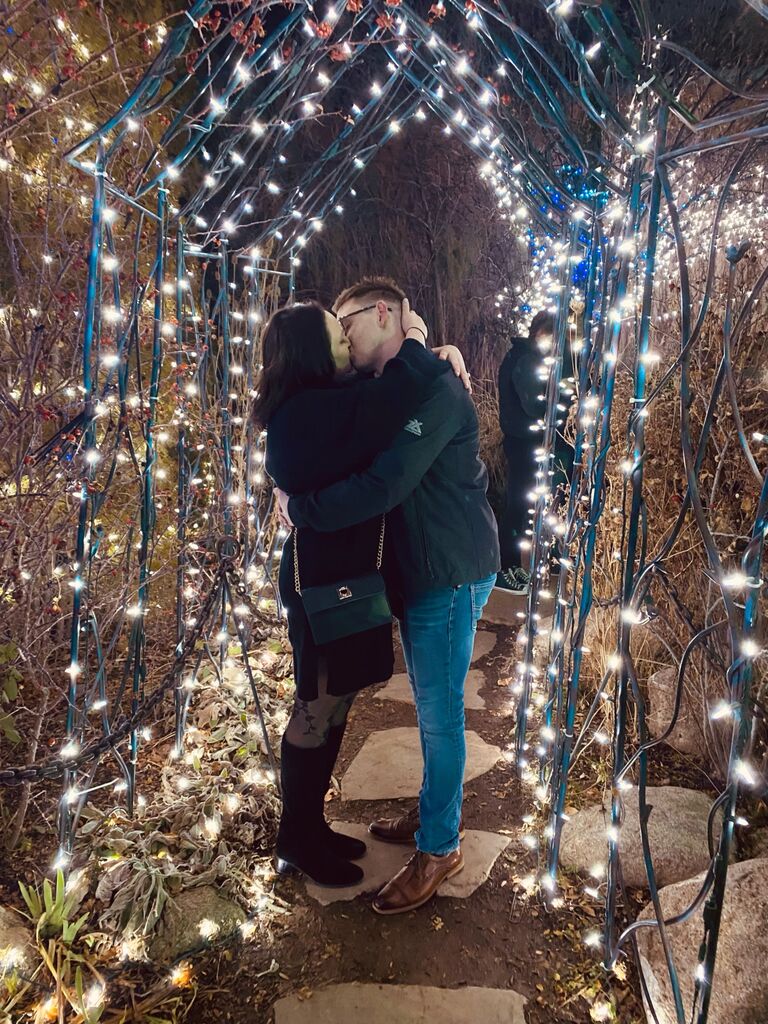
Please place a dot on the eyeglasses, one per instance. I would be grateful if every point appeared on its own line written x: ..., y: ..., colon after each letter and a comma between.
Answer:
x: 364, y: 309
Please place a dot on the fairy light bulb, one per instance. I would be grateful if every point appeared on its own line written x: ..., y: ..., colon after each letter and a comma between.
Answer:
x: 745, y: 772
x: 94, y: 997
x: 720, y: 711
x: 181, y: 974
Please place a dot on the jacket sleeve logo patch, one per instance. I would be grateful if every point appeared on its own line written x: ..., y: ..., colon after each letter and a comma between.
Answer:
x: 413, y: 427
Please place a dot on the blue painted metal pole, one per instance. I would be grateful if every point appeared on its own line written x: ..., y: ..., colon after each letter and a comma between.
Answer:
x: 182, y: 483
x: 89, y: 329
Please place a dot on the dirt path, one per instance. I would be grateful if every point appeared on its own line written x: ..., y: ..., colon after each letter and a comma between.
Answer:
x: 495, y: 938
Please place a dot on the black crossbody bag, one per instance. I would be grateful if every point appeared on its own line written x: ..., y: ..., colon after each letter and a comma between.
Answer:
x: 349, y: 606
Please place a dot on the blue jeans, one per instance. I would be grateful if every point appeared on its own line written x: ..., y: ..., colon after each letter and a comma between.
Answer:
x: 438, y: 633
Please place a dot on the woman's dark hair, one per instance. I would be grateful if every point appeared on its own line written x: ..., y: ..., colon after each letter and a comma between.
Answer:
x: 296, y: 354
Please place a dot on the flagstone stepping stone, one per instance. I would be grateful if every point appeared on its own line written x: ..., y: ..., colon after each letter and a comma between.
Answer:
x: 398, y: 688
x: 508, y: 608
x: 389, y: 765
x: 401, y: 1004
x: 544, y: 625
x: 541, y: 639
x: 383, y: 860
x: 485, y: 641
x: 503, y: 606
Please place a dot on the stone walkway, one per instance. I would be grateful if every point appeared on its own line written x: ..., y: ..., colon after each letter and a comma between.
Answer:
x: 388, y: 766
x: 480, y: 950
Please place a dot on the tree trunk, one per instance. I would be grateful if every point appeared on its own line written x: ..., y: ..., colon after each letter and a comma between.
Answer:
x: 17, y: 822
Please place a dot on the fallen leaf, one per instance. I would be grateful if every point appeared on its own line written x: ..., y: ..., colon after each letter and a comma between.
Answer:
x: 620, y: 970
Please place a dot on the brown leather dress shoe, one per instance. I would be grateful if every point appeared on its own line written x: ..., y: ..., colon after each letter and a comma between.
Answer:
x: 402, y: 829
x: 417, y: 882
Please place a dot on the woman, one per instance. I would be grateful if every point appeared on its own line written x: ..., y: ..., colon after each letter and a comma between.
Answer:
x: 321, y: 428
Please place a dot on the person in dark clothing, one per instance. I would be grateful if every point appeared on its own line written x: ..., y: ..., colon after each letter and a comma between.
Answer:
x: 521, y: 408
x: 432, y: 485
x: 320, y: 427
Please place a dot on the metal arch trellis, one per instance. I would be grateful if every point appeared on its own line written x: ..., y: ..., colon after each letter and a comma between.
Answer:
x: 271, y: 90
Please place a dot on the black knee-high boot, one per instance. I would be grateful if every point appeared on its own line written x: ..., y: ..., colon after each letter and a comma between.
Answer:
x: 343, y: 846
x: 302, y: 843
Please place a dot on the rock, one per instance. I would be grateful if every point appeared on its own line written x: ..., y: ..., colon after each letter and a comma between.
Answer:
x: 504, y: 606
x: 401, y: 1004
x: 755, y: 843
x: 600, y: 630
x: 398, y: 688
x: 383, y: 860
x: 541, y: 641
x: 389, y: 765
x: 17, y: 947
x: 687, y: 735
x: 485, y: 641
x: 677, y: 830
x: 180, y: 926
x: 740, y: 983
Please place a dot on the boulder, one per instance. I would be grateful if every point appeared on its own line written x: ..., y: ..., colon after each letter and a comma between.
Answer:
x: 600, y: 630
x: 687, y: 735
x: 740, y: 982
x: 189, y: 918
x: 754, y: 843
x: 17, y: 947
x: 677, y: 830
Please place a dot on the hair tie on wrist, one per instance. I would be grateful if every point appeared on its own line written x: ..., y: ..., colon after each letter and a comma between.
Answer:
x: 420, y: 330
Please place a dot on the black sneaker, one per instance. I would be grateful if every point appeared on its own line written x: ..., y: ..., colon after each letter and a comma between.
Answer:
x: 504, y: 579
x: 520, y: 580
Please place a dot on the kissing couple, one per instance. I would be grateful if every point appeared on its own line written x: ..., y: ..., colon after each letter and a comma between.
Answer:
x: 373, y: 446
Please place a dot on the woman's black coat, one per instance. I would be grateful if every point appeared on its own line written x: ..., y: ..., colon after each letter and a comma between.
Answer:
x: 314, y: 439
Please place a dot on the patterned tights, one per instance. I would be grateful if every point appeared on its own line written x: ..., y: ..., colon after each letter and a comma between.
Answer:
x: 311, y: 719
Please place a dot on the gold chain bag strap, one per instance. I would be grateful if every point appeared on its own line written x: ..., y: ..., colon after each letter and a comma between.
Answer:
x: 348, y: 606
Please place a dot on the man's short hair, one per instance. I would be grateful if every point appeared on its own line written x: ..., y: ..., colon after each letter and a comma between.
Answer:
x: 371, y: 288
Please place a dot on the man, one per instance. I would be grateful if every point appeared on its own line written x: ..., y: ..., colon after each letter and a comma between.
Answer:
x: 521, y: 407
x: 442, y: 534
